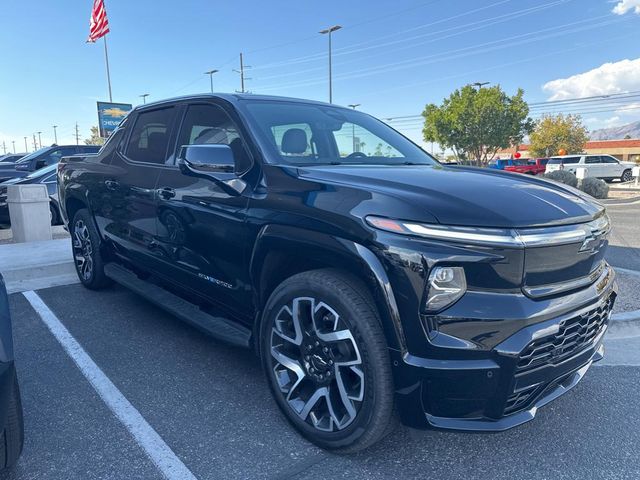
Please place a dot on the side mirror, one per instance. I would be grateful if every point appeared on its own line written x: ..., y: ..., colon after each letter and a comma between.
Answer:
x: 205, y: 159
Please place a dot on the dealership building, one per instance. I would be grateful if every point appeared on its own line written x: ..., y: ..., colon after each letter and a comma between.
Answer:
x: 626, y: 150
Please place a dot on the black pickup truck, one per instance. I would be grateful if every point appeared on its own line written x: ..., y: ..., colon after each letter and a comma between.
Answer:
x: 372, y: 281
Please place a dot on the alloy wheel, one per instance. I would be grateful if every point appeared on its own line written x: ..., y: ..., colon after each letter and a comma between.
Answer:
x: 626, y: 176
x: 82, y: 250
x: 317, y: 364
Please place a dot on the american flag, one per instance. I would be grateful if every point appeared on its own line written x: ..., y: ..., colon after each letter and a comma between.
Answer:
x: 99, y: 25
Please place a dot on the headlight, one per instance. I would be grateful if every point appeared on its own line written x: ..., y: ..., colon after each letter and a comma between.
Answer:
x: 477, y: 235
x: 446, y: 285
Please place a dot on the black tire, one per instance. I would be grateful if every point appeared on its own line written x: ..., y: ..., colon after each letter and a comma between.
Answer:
x: 87, y: 251
x: 626, y: 176
x: 367, y: 385
x: 12, y: 437
x: 53, y: 212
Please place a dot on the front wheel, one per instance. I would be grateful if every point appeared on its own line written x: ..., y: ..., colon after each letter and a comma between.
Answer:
x: 326, y: 360
x: 626, y: 176
x: 86, y: 251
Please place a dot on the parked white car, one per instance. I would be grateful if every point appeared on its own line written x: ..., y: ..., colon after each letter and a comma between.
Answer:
x: 605, y: 167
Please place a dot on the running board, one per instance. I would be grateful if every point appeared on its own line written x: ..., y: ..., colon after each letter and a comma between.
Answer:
x: 218, y: 327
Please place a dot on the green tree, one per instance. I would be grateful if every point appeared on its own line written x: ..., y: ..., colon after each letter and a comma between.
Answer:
x: 95, y: 138
x: 555, y: 132
x: 476, y: 123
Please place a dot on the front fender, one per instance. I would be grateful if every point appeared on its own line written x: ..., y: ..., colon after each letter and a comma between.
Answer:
x: 334, y: 252
x: 6, y: 341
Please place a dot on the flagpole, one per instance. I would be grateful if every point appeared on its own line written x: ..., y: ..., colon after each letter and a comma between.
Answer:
x: 106, y: 58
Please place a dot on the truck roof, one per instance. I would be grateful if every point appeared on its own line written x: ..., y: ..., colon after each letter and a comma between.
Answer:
x: 235, y: 98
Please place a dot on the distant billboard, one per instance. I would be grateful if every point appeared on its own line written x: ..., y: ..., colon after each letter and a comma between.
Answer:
x: 110, y: 115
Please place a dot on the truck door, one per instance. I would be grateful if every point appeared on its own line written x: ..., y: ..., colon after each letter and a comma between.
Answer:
x: 201, y: 226
x: 129, y: 208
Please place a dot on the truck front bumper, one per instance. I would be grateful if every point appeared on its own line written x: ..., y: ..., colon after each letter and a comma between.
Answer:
x: 500, y: 388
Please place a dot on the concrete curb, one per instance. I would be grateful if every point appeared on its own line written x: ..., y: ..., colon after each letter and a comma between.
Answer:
x: 620, y: 201
x: 37, y: 265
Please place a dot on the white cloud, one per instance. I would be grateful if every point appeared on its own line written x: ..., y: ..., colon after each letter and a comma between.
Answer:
x: 631, y: 109
x: 613, y: 121
x: 608, y: 78
x: 624, y: 6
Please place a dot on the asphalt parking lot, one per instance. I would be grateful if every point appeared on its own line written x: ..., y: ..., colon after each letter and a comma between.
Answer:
x: 211, y: 410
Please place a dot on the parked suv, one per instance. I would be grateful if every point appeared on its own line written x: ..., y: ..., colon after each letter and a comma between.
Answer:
x: 369, y: 278
x: 605, y: 167
x: 41, y: 158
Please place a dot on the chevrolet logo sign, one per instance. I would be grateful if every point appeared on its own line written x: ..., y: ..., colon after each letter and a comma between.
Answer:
x: 595, y: 232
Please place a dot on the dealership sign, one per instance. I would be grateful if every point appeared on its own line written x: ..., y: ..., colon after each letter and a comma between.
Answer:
x: 110, y: 115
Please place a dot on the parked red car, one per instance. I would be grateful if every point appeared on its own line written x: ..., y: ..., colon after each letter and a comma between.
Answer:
x: 531, y: 166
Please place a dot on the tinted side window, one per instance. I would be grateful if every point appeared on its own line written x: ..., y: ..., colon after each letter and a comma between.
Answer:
x: 606, y: 159
x: 209, y: 124
x: 54, y: 156
x: 150, y: 136
x: 592, y: 160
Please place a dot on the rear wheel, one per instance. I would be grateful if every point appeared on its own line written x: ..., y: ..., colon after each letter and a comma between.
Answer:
x: 12, y: 437
x: 626, y: 176
x: 53, y: 212
x: 86, y: 251
x: 326, y: 360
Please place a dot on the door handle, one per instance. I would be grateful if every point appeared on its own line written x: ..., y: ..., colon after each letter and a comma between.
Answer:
x: 111, y: 184
x: 166, y: 192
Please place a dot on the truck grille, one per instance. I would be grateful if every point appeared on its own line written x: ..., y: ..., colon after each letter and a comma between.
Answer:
x: 574, y: 334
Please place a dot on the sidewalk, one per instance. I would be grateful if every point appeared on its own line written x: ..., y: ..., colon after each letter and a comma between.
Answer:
x: 35, y: 265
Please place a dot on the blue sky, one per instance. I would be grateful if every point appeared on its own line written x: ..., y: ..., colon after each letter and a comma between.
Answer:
x: 391, y: 57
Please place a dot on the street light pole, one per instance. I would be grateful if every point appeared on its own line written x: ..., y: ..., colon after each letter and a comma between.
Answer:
x: 144, y: 97
x: 329, y: 31
x: 353, y: 127
x: 13, y: 142
x: 40, y: 139
x: 210, y: 73
x: 26, y: 148
x: 55, y: 134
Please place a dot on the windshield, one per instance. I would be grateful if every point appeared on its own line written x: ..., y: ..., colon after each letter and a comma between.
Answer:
x: 42, y: 171
x: 33, y: 155
x: 309, y: 134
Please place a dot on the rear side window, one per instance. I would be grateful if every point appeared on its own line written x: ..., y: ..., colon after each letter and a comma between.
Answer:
x: 592, y: 160
x: 149, y: 140
x: 564, y: 160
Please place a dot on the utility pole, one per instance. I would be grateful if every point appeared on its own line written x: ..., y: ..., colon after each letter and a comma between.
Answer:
x: 55, y: 134
x: 40, y: 139
x: 329, y: 31
x: 13, y: 142
x: 77, y: 135
x: 26, y: 148
x: 211, y: 72
x: 353, y: 127
x: 241, y: 72
x: 144, y: 98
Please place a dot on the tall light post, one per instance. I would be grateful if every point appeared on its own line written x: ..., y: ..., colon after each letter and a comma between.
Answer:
x: 55, y: 134
x: 353, y: 127
x: 144, y: 97
x: 13, y: 142
x: 39, y: 138
x: 329, y: 31
x: 210, y: 73
x: 26, y: 148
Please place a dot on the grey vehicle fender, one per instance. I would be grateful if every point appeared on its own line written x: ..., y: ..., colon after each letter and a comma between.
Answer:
x: 6, y: 342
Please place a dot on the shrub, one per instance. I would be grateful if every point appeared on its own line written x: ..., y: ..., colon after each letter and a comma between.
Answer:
x: 595, y: 187
x: 563, y: 176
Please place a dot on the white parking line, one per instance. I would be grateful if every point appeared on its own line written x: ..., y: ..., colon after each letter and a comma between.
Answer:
x: 143, y: 433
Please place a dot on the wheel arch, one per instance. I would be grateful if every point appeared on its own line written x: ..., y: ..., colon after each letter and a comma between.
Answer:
x: 282, y: 251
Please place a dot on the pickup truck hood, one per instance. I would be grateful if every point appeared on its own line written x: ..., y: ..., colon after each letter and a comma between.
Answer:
x: 463, y: 195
